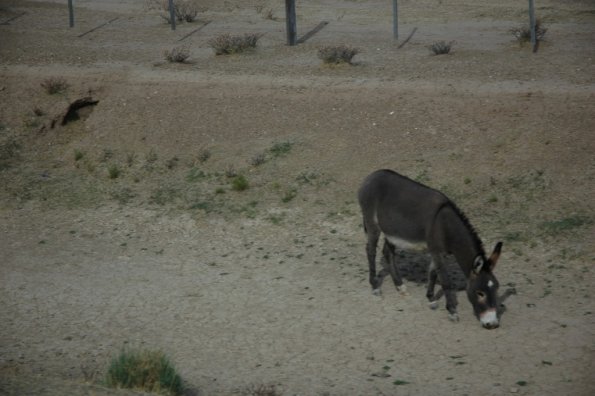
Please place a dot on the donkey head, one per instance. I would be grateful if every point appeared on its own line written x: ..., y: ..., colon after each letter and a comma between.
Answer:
x: 482, y: 289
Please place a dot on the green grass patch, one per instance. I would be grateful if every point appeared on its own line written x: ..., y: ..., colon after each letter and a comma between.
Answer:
x: 149, y: 371
x: 289, y: 195
x: 565, y: 225
x: 281, y: 148
x: 114, y: 171
x: 239, y: 183
x: 400, y: 382
x: 195, y: 174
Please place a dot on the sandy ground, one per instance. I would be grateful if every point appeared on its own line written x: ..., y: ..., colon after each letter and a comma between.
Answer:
x: 269, y: 285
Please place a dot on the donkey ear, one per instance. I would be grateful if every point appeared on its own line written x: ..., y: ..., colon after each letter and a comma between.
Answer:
x: 478, y: 264
x: 495, y: 255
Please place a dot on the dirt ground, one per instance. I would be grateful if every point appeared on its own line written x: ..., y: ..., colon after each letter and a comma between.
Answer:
x: 124, y: 229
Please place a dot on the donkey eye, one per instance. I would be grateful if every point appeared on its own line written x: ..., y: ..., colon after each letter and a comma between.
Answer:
x: 480, y: 294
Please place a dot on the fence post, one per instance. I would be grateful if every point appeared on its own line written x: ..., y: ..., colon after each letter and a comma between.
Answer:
x: 532, y: 22
x: 291, y: 22
x: 70, y: 13
x: 172, y: 14
x: 395, y: 20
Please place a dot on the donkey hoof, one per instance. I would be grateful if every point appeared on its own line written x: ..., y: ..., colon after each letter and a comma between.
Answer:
x: 433, y: 305
x: 376, y: 292
x: 403, y: 290
x: 454, y: 317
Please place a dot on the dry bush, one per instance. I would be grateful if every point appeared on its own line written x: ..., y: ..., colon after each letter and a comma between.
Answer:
x: 185, y: 10
x: 523, y: 33
x: 337, y: 54
x: 226, y: 44
x: 262, y: 390
x: 177, y: 54
x: 54, y: 85
x: 441, y: 47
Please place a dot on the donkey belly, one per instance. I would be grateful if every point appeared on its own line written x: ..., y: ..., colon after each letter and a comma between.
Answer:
x: 405, y: 244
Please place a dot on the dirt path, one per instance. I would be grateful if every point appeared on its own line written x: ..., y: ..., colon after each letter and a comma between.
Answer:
x: 268, y: 285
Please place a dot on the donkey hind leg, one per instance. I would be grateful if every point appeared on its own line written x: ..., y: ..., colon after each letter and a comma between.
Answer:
x: 449, y: 291
x: 390, y: 256
x: 373, y: 234
x: 432, y: 277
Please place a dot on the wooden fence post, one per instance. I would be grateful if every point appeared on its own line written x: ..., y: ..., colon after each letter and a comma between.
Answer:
x: 172, y: 14
x: 532, y: 24
x: 395, y: 20
x: 70, y: 13
x: 291, y: 22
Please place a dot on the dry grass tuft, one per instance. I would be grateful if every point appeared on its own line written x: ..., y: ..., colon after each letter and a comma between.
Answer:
x: 177, y: 54
x: 523, y: 33
x: 227, y: 44
x: 54, y: 85
x: 337, y: 54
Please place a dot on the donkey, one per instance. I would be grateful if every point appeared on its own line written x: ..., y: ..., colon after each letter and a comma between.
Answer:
x: 413, y: 216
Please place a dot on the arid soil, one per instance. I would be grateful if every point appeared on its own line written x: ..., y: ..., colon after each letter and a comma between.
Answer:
x: 130, y: 227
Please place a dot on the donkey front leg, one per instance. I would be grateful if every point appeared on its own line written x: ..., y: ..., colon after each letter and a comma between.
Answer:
x: 447, y: 287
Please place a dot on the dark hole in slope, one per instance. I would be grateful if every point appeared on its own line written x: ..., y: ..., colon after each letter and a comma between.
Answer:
x: 80, y: 108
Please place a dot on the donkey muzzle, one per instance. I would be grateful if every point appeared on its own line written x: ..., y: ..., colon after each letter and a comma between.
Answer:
x: 489, y: 318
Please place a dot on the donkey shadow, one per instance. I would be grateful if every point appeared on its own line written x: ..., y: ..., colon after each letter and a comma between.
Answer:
x: 414, y: 266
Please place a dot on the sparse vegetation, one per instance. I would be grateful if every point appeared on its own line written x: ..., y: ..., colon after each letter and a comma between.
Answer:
x: 280, y: 148
x: 258, y: 159
x: 289, y: 195
x: 239, y: 183
x: 523, y: 33
x: 230, y: 172
x: 54, y: 85
x: 185, y: 10
x: 177, y: 54
x: 124, y: 195
x: 147, y: 371
x: 566, y: 224
x: 172, y: 163
x: 114, y: 171
x: 204, y: 156
x: 441, y: 47
x: 262, y: 390
x: 195, y: 174
x: 164, y: 195
x: 227, y: 44
x: 337, y: 54
x: 9, y: 150
x: 78, y: 155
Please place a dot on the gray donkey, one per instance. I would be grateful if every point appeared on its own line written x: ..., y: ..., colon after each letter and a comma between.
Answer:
x: 413, y: 216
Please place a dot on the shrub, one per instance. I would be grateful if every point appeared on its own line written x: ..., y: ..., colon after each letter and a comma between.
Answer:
x: 441, y: 47
x: 263, y: 390
x: 258, y: 159
x: 239, y: 183
x: 148, y: 371
x: 54, y: 85
x: 78, y: 155
x: 204, y: 156
x: 114, y: 171
x: 280, y: 148
x: 185, y: 10
x: 226, y: 44
x: 523, y: 33
x: 337, y: 54
x: 177, y: 54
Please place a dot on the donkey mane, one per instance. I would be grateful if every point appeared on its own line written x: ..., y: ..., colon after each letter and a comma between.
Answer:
x: 476, y: 239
